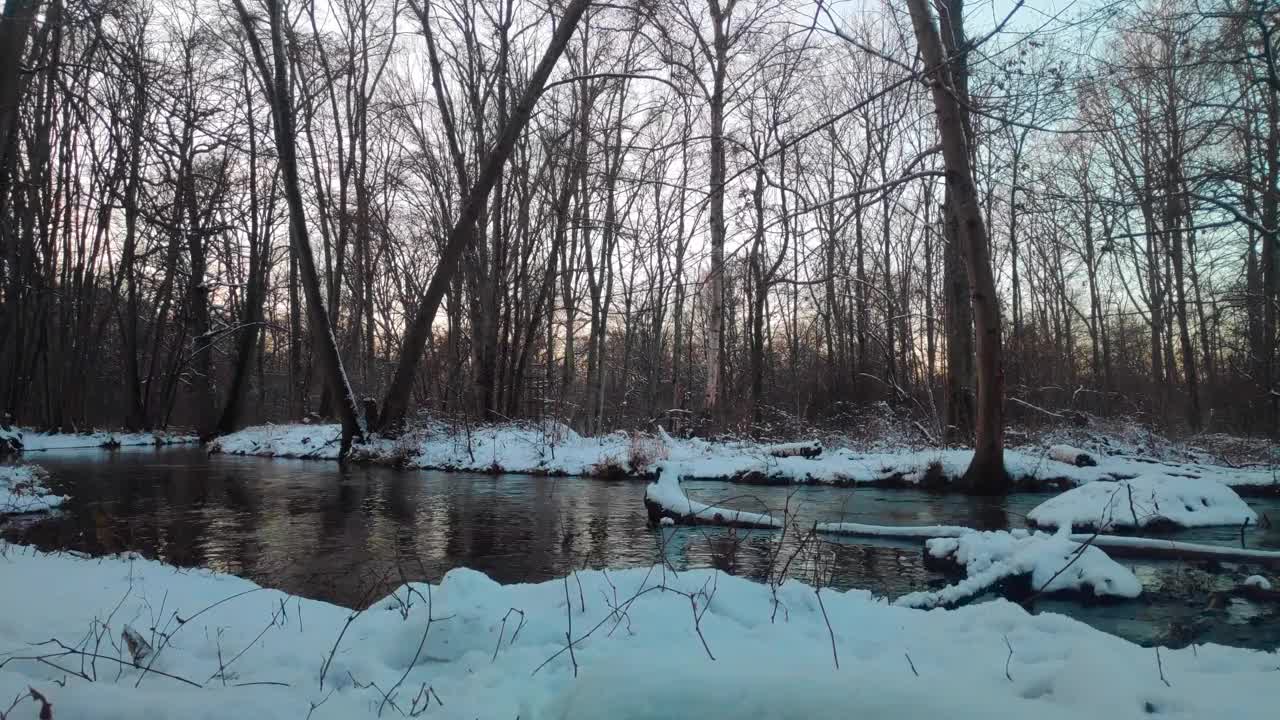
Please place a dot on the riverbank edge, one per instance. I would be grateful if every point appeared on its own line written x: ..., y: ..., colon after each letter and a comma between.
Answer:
x: 557, y: 451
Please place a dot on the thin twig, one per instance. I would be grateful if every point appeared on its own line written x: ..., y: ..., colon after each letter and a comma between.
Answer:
x: 568, y: 636
x: 830, y: 632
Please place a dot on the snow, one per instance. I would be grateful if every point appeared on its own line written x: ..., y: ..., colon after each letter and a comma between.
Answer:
x: 554, y: 449
x: 1257, y: 581
x: 1144, y: 501
x: 22, y: 490
x: 643, y: 646
x: 33, y: 441
x: 1071, y: 456
x: 10, y: 440
x: 1055, y: 563
x: 666, y: 494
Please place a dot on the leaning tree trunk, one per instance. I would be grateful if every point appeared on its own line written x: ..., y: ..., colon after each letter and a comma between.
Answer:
x: 986, y: 473
x: 326, y: 347
x: 415, y: 339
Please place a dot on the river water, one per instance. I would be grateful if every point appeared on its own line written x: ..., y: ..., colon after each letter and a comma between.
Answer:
x: 351, y: 535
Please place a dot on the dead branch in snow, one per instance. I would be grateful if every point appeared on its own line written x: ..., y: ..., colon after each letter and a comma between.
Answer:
x: 502, y: 631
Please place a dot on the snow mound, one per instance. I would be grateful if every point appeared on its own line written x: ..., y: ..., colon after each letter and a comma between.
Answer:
x: 1257, y: 581
x: 1142, y: 502
x: 643, y: 647
x: 1054, y: 563
x: 295, y: 441
x: 23, y: 490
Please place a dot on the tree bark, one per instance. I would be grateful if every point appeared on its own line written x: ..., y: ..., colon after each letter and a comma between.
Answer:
x: 986, y: 473
x: 716, y: 225
x: 277, y: 86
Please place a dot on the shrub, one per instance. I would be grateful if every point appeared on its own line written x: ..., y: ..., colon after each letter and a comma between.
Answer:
x: 643, y: 451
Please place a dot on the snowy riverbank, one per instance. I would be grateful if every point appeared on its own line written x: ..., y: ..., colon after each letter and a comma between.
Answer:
x: 646, y: 644
x: 33, y: 441
x: 553, y: 449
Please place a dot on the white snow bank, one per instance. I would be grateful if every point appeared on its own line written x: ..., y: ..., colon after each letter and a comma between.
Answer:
x: 1257, y: 581
x: 1055, y: 563
x: 1144, y: 501
x: 296, y: 441
x: 22, y: 490
x: 33, y: 441
x: 643, y: 649
x: 554, y: 449
x: 1123, y: 467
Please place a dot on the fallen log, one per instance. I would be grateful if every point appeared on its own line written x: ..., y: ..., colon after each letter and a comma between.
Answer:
x: 810, y: 449
x: 1124, y: 546
x: 665, y: 499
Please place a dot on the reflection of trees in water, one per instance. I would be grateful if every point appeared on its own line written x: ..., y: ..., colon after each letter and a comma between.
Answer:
x: 353, y: 535
x: 761, y: 555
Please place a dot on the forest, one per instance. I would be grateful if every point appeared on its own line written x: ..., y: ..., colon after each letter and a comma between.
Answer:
x: 636, y: 359
x: 718, y: 215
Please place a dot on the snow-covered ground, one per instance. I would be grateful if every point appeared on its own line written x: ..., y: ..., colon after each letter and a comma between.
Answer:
x: 22, y: 490
x: 557, y: 450
x: 1144, y: 501
x: 33, y: 441
x: 646, y: 643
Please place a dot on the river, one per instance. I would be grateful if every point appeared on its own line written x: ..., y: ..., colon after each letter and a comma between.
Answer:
x: 351, y: 535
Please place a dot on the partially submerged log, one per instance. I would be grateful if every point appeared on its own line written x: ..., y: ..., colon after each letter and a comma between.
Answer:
x: 723, y: 517
x: 893, y: 532
x: 665, y: 499
x: 1142, y: 547
x: 1020, y: 566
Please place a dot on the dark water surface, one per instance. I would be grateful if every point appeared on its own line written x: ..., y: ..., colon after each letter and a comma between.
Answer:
x: 350, y: 536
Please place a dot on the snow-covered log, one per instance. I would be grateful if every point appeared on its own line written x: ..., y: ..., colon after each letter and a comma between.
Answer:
x: 1142, y: 547
x: 810, y: 449
x: 665, y: 499
x: 906, y: 532
x: 1044, y: 563
x: 1072, y: 456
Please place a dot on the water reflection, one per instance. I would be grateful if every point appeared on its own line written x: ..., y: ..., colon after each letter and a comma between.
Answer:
x: 352, y: 535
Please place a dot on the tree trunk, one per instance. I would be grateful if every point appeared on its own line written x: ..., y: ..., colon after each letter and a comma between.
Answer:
x: 715, y: 280
x: 986, y: 473
x: 326, y: 347
x: 415, y: 340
